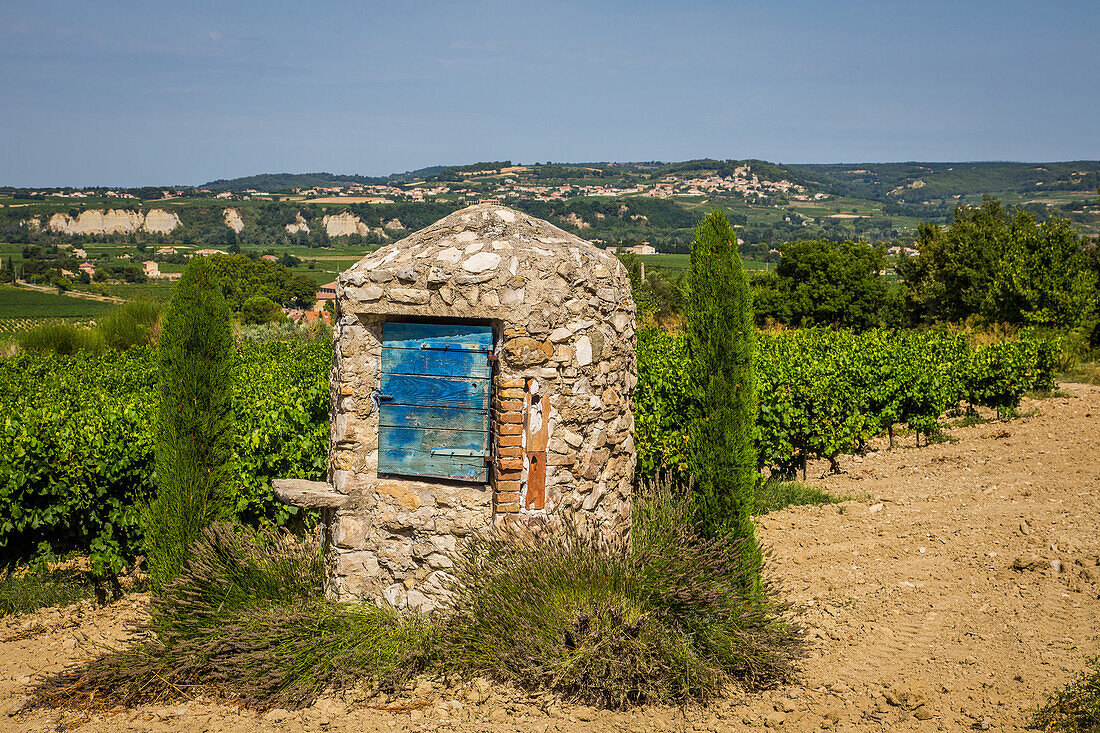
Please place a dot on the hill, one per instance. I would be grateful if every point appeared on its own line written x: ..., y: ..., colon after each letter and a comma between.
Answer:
x: 284, y: 182
x: 609, y: 203
x: 912, y: 182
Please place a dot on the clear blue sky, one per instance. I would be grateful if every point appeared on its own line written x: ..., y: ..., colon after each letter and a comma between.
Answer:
x: 137, y: 93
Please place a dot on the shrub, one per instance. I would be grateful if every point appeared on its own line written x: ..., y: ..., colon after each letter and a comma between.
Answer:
x: 721, y: 340
x: 259, y: 309
x: 658, y: 298
x: 194, y: 425
x: 1049, y: 362
x: 1076, y: 707
x: 998, y: 375
x: 286, y: 331
x: 233, y: 567
x: 774, y: 495
x: 245, y: 621
x: 34, y: 588
x: 135, y: 323
x: 825, y: 392
x: 76, y: 455
x: 76, y: 444
x: 825, y: 282
x: 61, y: 338
x: 662, y: 403
x: 664, y: 620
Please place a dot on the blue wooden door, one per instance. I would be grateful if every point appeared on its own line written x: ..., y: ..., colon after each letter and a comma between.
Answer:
x: 433, y: 417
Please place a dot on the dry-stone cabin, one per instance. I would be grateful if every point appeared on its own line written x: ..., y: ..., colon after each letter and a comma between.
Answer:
x: 483, y: 376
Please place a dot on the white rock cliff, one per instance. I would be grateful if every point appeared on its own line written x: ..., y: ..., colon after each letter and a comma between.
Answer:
x: 114, y: 221
x: 233, y: 220
x: 340, y: 225
x: 299, y: 225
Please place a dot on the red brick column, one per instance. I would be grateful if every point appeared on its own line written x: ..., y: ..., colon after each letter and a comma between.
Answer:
x: 506, y: 432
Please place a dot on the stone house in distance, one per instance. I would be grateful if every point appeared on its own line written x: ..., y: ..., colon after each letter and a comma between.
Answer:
x: 483, y: 376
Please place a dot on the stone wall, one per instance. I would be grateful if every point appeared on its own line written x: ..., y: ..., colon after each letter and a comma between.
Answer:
x: 561, y: 423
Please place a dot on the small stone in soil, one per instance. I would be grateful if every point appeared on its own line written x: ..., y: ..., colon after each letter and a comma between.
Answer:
x: 277, y: 715
x: 774, y: 719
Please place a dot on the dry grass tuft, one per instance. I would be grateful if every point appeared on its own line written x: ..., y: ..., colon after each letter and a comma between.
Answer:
x: 669, y: 618
x: 246, y: 622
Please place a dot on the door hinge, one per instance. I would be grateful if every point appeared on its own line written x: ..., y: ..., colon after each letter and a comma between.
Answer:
x: 468, y: 452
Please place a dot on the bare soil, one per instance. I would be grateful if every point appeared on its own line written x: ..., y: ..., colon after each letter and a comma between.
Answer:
x: 71, y: 293
x: 958, y: 588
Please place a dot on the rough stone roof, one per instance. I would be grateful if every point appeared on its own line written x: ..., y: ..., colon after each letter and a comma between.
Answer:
x: 490, y: 247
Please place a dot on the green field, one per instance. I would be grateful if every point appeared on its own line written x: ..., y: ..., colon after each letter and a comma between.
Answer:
x: 678, y: 263
x: 155, y: 289
x: 327, y: 263
x: 327, y: 267
x: 18, y: 303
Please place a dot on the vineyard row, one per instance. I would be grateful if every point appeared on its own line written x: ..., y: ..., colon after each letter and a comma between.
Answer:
x: 76, y: 453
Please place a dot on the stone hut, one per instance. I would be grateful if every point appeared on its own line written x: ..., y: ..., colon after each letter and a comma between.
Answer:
x: 483, y: 376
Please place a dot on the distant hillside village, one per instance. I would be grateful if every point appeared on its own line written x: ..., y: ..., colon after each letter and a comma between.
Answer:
x: 643, y: 208
x: 883, y: 231
x: 508, y: 183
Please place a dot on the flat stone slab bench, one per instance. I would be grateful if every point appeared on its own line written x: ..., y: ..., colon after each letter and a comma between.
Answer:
x: 313, y: 494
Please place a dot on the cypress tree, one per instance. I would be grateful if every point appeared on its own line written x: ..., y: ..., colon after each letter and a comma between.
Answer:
x: 721, y: 340
x: 193, y: 432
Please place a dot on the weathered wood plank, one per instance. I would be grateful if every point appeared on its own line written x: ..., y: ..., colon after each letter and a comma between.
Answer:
x: 299, y: 492
x: 538, y: 428
x: 409, y: 451
x: 407, y: 389
x: 430, y: 417
x: 450, y: 336
x: 473, y: 364
x: 538, y: 437
x: 536, y: 480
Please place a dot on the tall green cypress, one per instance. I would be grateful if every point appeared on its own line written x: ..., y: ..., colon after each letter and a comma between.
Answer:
x: 193, y: 433
x: 721, y: 340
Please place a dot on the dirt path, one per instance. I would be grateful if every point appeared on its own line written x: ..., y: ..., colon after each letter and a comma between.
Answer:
x: 931, y: 600
x: 71, y: 293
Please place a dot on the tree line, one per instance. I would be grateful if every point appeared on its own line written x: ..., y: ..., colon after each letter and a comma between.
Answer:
x: 990, y: 264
